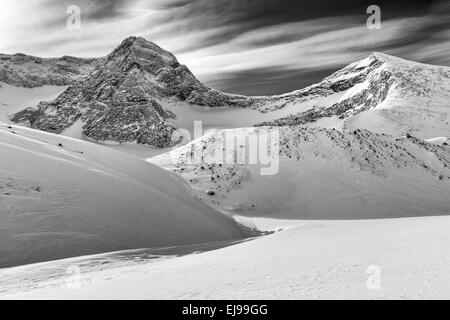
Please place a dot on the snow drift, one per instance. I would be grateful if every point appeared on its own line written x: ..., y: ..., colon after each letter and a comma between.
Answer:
x: 61, y: 197
x: 309, y: 260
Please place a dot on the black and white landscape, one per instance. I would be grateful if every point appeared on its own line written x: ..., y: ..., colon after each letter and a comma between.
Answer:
x: 109, y: 190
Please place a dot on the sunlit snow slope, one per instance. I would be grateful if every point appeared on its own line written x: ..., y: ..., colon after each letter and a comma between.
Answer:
x: 309, y: 260
x: 61, y: 197
x: 322, y: 174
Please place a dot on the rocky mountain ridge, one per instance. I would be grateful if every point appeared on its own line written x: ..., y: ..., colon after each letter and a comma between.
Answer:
x: 125, y: 98
x: 27, y: 71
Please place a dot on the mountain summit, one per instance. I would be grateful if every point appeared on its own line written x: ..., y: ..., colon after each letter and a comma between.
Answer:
x: 26, y: 71
x: 382, y: 93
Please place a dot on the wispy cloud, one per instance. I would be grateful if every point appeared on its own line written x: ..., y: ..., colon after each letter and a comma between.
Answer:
x: 229, y: 42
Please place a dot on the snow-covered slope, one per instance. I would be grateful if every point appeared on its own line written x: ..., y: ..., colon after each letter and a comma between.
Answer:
x: 442, y: 141
x: 61, y: 197
x: 365, y: 259
x: 382, y: 93
x: 322, y: 174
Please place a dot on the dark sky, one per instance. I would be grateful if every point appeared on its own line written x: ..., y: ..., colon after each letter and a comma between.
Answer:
x: 241, y: 46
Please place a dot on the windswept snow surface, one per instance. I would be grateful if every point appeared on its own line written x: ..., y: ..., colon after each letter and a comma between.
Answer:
x: 62, y: 197
x: 348, y: 259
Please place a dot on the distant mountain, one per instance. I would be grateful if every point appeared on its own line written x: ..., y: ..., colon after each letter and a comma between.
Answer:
x: 22, y: 70
x: 139, y: 92
x: 381, y: 93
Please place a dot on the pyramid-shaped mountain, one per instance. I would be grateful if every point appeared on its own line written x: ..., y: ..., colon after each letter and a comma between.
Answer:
x: 121, y: 99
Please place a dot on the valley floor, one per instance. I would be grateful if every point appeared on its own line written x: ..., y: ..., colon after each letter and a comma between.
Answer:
x: 349, y: 259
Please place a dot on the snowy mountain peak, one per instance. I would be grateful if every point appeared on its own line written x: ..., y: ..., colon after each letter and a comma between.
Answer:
x: 382, y: 93
x: 318, y: 166
x: 384, y: 58
x: 142, y: 52
x: 122, y: 99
